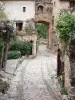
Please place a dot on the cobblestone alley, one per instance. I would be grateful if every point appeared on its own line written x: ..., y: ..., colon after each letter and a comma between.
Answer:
x: 35, y: 79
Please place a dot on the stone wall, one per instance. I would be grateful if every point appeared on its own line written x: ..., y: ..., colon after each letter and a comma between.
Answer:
x: 72, y: 81
x: 72, y: 73
x: 57, y: 6
x: 14, y: 10
x: 69, y: 69
x: 44, y: 14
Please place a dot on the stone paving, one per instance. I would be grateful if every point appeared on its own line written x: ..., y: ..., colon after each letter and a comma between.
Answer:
x: 35, y: 79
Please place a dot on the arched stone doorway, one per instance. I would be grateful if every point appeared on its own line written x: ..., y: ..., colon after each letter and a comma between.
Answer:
x: 49, y: 36
x: 42, y: 29
x: 44, y: 14
x: 50, y: 32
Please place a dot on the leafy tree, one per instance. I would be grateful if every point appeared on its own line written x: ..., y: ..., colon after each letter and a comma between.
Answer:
x: 2, y: 18
x: 41, y: 28
x: 2, y: 14
x: 6, y: 30
x: 65, y: 27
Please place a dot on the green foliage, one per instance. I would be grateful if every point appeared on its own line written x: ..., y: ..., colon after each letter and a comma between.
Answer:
x: 1, y: 46
x: 42, y: 29
x: 20, y: 32
x: 66, y: 27
x: 2, y: 13
x: 25, y: 48
x: 64, y: 91
x: 14, y: 54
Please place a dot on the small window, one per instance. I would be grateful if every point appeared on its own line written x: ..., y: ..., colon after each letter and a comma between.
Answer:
x: 24, y: 9
x: 72, y: 3
x: 40, y: 8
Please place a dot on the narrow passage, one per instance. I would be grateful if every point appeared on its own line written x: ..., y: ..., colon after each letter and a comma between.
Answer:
x: 35, y: 79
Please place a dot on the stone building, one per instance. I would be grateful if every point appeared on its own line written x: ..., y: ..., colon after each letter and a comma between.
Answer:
x: 19, y: 11
x: 46, y: 12
x: 43, y: 11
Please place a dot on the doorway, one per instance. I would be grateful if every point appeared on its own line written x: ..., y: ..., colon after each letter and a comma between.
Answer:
x: 19, y: 25
x: 42, y: 30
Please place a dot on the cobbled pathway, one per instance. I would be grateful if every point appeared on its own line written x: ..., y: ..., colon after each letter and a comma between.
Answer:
x: 35, y: 79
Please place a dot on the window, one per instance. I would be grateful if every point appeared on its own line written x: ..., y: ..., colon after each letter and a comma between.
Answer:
x: 24, y: 9
x: 72, y: 3
x: 40, y: 8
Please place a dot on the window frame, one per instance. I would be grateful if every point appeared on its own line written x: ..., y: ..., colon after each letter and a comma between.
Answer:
x: 72, y: 4
x: 24, y: 9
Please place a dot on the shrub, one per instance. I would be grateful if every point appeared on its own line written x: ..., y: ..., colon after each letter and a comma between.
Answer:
x: 20, y: 32
x: 14, y: 54
x: 66, y: 27
x: 25, y: 48
x: 64, y: 91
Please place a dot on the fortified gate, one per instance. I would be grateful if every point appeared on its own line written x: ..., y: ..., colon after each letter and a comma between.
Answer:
x: 44, y: 14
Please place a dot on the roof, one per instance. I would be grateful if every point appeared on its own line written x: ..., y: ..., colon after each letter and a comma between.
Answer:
x: 67, y: 0
x: 17, y: 0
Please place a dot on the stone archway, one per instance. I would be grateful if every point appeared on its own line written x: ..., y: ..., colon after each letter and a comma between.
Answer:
x: 45, y: 17
x: 49, y: 37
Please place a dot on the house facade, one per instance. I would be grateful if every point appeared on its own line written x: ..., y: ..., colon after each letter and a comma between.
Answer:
x: 44, y: 11
x: 19, y: 11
